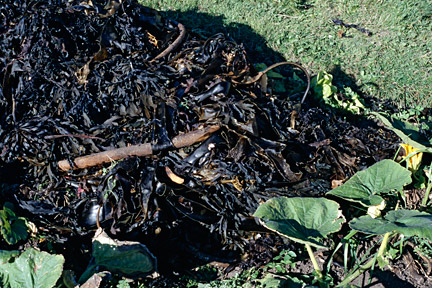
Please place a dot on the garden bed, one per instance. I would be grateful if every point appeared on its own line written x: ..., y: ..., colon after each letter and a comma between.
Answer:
x: 124, y: 138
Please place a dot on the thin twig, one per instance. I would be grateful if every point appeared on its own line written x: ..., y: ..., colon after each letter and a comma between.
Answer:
x: 144, y: 149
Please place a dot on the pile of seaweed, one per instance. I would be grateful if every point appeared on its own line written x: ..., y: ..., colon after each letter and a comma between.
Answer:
x: 81, y: 78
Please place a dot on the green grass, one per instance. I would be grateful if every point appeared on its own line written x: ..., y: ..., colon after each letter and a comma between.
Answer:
x: 394, y: 63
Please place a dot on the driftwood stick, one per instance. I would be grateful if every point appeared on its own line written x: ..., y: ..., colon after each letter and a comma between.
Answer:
x: 139, y: 150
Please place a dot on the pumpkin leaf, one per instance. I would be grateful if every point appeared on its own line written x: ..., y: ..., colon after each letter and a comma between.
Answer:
x: 274, y: 281
x: 33, y: 269
x: 131, y: 259
x: 6, y: 255
x: 408, y: 133
x: 366, y: 186
x: 304, y: 220
x: 406, y: 222
x: 13, y: 228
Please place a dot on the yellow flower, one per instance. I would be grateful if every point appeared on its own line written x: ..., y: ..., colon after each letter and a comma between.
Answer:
x: 415, y: 160
x: 375, y: 211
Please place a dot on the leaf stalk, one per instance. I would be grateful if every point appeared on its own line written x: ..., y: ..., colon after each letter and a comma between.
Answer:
x: 314, y: 262
x: 369, y: 264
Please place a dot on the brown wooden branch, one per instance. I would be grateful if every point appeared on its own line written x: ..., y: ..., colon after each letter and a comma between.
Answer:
x: 139, y: 150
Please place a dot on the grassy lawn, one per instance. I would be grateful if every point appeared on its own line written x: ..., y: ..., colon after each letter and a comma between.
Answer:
x: 393, y: 63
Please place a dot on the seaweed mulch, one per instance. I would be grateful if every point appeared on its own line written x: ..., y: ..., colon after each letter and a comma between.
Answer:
x: 113, y: 116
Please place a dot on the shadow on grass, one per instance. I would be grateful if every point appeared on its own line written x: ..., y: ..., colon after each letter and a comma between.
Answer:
x: 341, y: 80
x: 208, y: 25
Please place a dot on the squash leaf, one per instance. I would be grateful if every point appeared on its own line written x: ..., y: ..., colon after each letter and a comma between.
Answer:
x: 274, y: 281
x: 304, y: 220
x: 131, y: 259
x: 408, y: 133
x: 32, y: 269
x: 6, y: 255
x: 366, y: 186
x: 406, y: 222
x: 13, y: 228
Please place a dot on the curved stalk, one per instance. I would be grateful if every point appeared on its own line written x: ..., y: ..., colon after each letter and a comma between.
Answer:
x: 314, y: 262
x: 428, y: 188
x: 369, y: 264
x: 344, y: 241
x: 357, y: 273
x: 383, y: 246
x: 346, y: 248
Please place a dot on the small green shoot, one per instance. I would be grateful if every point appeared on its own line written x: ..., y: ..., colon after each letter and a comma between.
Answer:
x: 428, y: 173
x: 282, y: 262
x: 326, y: 92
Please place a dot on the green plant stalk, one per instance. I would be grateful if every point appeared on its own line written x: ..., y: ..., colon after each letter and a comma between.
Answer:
x: 401, y: 244
x: 383, y: 246
x: 346, y: 248
x: 396, y: 154
x: 369, y: 264
x: 357, y: 273
x: 344, y: 240
x: 314, y: 262
x: 428, y: 189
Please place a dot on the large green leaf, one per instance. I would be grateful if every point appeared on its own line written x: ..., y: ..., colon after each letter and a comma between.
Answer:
x: 408, y: 133
x: 304, y: 220
x: 6, y: 255
x: 13, y: 228
x: 274, y: 281
x: 406, y: 222
x: 31, y: 269
x: 132, y: 259
x: 366, y: 186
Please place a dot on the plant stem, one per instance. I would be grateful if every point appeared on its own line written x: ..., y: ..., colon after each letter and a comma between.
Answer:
x: 357, y: 273
x: 369, y: 264
x: 314, y: 262
x: 428, y: 189
x: 346, y: 248
x: 344, y: 241
x: 175, y: 44
x: 383, y: 246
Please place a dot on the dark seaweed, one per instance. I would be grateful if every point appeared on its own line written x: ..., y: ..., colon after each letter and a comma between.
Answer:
x: 355, y: 26
x: 78, y: 78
